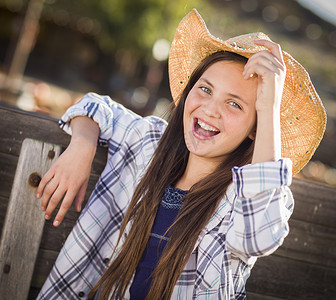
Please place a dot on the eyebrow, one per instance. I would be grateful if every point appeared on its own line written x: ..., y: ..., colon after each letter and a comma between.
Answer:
x: 237, y: 97
x: 206, y: 81
x: 230, y: 94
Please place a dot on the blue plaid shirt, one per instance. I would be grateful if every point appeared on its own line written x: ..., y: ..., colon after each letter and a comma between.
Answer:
x: 251, y: 220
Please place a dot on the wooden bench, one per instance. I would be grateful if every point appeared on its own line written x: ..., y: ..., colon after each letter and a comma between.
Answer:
x: 302, y: 268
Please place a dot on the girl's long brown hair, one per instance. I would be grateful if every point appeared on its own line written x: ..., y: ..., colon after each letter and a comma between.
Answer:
x: 167, y: 166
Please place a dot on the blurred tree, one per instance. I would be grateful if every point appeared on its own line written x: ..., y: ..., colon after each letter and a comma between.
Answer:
x: 129, y: 24
x: 25, y: 44
x: 123, y: 32
x: 123, y: 29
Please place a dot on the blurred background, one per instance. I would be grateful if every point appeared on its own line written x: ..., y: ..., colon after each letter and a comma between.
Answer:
x: 54, y: 51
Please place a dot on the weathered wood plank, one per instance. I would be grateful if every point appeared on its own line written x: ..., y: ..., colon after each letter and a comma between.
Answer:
x: 8, y: 165
x: 3, y: 209
x: 254, y: 296
x: 43, y: 267
x: 314, y: 202
x: 24, y: 222
x: 17, y: 125
x: 33, y: 293
x: 282, y: 277
x: 307, y: 242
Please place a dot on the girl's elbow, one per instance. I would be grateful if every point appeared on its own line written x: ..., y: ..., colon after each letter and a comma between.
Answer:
x: 275, y: 240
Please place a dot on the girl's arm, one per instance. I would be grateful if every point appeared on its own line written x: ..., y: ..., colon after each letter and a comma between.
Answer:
x: 264, y: 203
x: 261, y: 209
x: 271, y: 71
x: 69, y: 175
x: 93, y: 118
x: 113, y: 118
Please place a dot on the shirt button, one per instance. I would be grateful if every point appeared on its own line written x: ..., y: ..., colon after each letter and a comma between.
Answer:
x: 81, y: 294
x: 106, y: 260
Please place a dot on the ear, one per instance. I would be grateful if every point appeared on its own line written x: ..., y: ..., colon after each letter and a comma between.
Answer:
x: 253, y: 133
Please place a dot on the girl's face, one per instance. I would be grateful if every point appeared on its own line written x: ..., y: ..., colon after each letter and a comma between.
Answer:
x: 219, y: 111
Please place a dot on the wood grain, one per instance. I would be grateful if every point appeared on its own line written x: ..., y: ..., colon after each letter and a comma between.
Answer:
x: 24, y: 222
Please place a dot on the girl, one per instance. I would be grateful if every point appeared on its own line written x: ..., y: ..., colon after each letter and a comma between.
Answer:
x: 182, y: 211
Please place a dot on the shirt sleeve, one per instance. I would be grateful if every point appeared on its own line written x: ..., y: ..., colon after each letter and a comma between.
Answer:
x: 112, y: 118
x: 261, y: 209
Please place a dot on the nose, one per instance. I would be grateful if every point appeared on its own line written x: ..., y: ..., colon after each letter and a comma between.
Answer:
x: 210, y: 108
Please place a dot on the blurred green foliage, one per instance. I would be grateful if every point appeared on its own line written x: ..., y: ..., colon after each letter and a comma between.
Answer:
x: 131, y: 24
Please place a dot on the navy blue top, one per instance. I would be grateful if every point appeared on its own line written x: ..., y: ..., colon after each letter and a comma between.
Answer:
x: 167, y: 212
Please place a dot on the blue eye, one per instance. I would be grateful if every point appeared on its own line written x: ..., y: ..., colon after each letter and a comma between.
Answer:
x: 235, y: 104
x: 205, y: 90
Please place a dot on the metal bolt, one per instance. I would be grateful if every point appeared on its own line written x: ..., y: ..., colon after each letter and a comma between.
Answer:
x: 51, y: 154
x: 6, y: 269
x: 34, y: 179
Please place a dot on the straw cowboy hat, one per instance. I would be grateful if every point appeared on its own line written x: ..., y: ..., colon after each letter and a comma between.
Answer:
x: 303, y: 117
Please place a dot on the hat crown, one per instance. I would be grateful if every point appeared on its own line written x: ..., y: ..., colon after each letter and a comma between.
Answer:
x: 244, y: 42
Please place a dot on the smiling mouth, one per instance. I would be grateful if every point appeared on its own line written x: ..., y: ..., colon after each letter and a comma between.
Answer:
x: 204, y: 131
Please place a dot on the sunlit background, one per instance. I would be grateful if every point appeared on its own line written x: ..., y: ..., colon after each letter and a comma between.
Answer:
x: 54, y: 51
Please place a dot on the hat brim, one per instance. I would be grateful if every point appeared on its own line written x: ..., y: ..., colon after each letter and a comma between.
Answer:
x: 303, y: 117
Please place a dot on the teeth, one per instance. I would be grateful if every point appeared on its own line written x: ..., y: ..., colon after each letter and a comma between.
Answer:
x: 206, y: 126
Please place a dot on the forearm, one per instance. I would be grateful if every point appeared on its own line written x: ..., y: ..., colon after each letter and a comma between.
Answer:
x: 111, y: 117
x: 85, y: 133
x: 268, y: 137
x: 269, y: 211
x: 270, y: 68
x: 264, y: 201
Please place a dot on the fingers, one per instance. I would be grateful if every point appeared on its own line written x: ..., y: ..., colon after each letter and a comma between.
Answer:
x: 80, y: 196
x: 257, y: 69
x: 66, y: 204
x: 54, y: 200
x: 262, y: 66
x: 53, y: 191
x: 270, y: 68
x: 265, y: 62
x: 266, y: 58
x: 49, y: 188
x: 274, y: 48
x: 67, y: 201
x: 46, y: 178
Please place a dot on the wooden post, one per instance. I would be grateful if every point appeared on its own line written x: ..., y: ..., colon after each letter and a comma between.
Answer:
x: 24, y: 45
x: 24, y: 220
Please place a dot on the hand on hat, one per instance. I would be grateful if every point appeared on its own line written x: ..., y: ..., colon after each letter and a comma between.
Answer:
x: 270, y: 68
